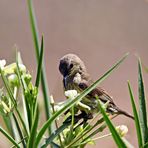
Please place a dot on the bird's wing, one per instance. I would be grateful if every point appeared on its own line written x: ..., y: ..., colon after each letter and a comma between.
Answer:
x: 102, y: 94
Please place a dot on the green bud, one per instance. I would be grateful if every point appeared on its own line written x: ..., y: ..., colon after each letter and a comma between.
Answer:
x: 13, y: 80
x: 27, y: 78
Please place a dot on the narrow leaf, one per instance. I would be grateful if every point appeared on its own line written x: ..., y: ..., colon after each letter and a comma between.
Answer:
x: 20, y: 133
x: 40, y: 64
x: 34, y: 28
x: 142, y: 104
x: 137, y: 122
x: 115, y: 134
x: 31, y: 141
x: 43, y: 73
x: 8, y: 124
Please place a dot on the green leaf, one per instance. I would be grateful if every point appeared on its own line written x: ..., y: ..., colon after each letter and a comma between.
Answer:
x: 43, y: 73
x: 34, y: 28
x: 146, y: 145
x: 8, y: 124
x: 78, y: 98
x: 127, y: 143
x: 40, y: 64
x: 8, y: 137
x: 136, y: 118
x: 115, y: 134
x: 142, y: 105
x: 31, y: 141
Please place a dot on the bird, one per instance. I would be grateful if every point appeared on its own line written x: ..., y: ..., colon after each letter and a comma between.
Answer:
x: 76, y: 77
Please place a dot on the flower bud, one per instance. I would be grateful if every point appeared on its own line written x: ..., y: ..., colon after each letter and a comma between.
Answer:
x: 71, y: 94
x: 22, y: 68
x: 13, y: 80
x: 122, y: 130
x: 2, y: 63
x: 51, y: 100
x: 27, y: 78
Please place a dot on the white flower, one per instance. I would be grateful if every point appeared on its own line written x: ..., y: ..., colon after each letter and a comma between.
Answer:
x: 2, y: 63
x: 12, y: 68
x: 71, y: 94
x: 22, y: 68
x: 122, y: 130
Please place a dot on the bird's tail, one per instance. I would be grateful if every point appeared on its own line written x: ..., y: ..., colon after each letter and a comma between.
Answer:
x: 122, y: 112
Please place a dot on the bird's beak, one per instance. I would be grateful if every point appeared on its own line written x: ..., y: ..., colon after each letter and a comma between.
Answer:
x: 65, y: 81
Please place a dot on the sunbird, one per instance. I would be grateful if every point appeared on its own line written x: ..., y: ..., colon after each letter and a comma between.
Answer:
x: 76, y: 77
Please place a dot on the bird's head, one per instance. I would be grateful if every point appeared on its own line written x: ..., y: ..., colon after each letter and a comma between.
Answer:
x: 71, y: 64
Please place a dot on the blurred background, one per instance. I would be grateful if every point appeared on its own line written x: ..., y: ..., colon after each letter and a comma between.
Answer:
x: 98, y: 31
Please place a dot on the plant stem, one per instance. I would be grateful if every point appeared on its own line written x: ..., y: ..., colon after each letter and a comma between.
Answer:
x: 56, y: 124
x: 9, y: 137
x: 104, y: 136
x: 19, y: 130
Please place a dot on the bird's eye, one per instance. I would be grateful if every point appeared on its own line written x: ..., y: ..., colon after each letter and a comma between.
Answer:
x: 71, y: 66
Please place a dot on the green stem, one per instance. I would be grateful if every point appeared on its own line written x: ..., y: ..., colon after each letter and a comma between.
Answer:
x: 56, y: 124
x: 104, y: 136
x: 8, y: 125
x: 24, y: 86
x: 22, y: 121
x: 83, y: 134
x: 9, y: 137
x: 19, y: 142
x: 19, y: 130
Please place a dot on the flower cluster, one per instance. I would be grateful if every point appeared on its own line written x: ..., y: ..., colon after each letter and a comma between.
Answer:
x: 12, y: 76
x: 6, y: 105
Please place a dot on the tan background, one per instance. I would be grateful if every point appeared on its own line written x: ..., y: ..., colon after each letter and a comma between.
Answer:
x: 99, y: 31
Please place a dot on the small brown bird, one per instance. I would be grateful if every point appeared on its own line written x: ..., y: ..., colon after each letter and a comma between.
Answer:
x: 75, y: 77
